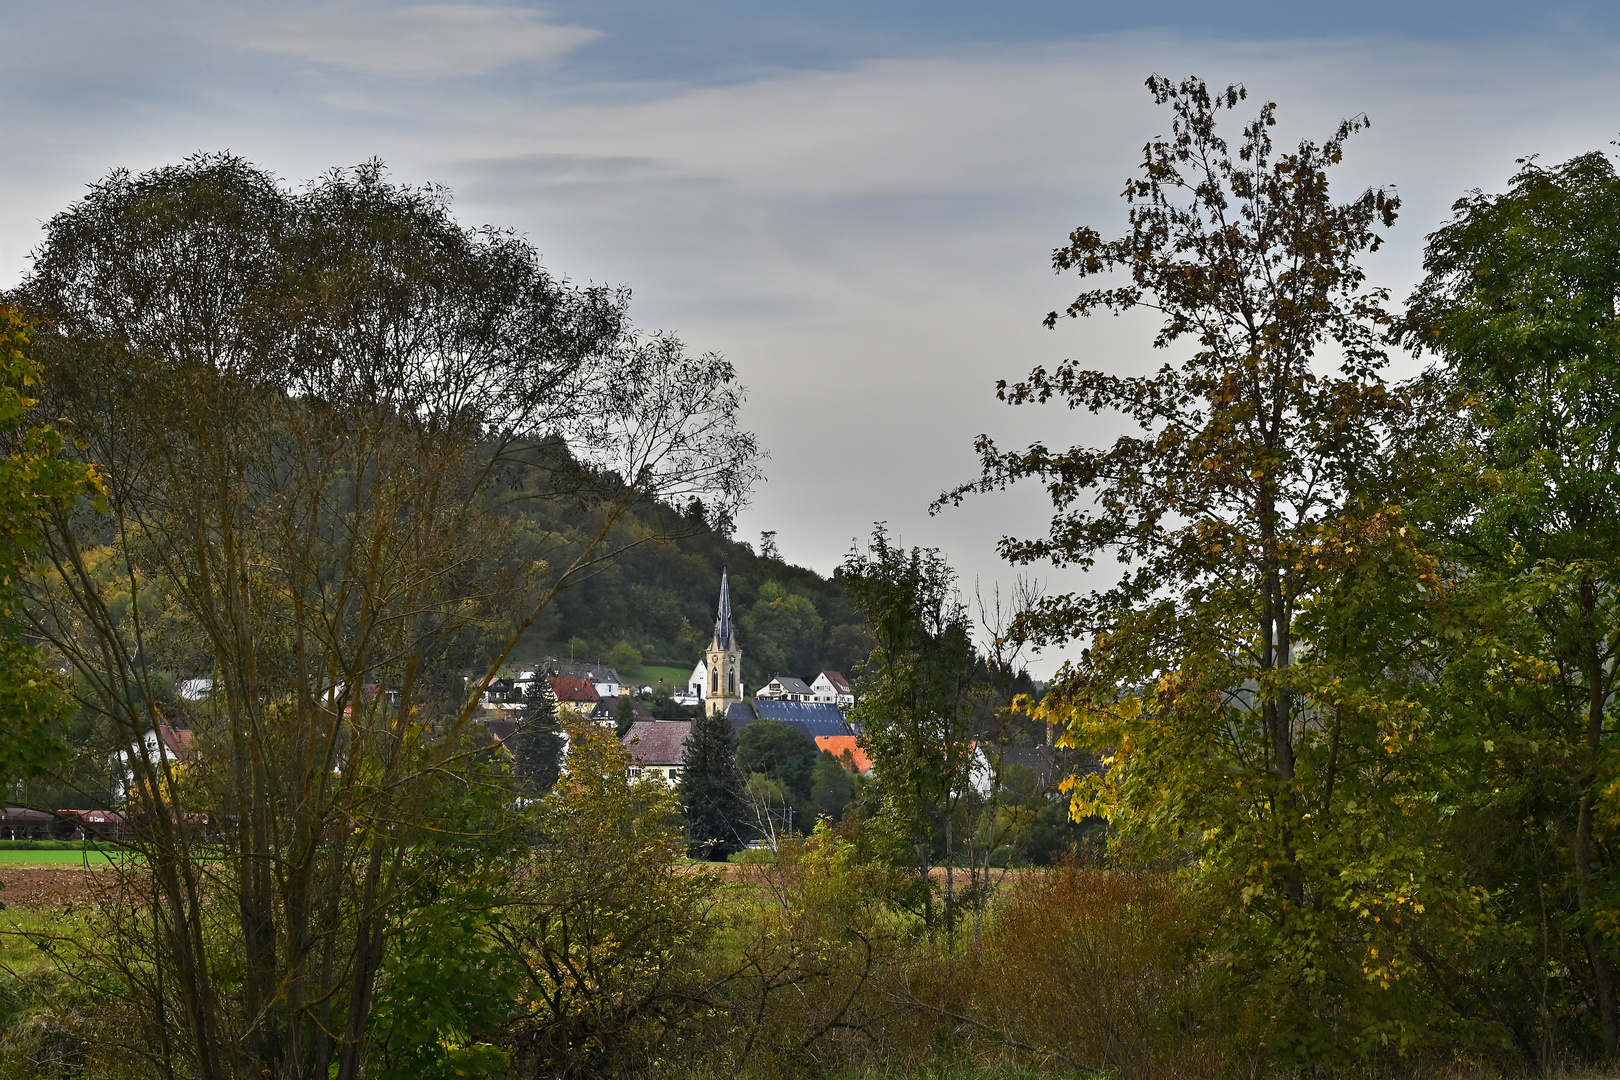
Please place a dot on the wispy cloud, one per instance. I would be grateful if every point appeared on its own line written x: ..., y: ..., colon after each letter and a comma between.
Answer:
x: 419, y: 41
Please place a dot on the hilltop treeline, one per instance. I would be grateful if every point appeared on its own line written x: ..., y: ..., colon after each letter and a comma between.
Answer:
x: 659, y: 595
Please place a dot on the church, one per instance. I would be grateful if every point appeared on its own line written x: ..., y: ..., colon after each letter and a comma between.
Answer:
x: 717, y: 679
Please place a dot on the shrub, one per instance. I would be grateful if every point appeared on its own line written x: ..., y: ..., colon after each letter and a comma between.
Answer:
x: 1080, y: 968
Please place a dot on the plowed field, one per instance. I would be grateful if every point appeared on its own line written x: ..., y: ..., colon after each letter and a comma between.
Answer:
x: 47, y: 886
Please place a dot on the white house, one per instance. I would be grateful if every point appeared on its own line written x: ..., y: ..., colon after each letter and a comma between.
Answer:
x: 831, y: 688
x: 196, y: 689
x: 786, y: 688
x: 695, y: 686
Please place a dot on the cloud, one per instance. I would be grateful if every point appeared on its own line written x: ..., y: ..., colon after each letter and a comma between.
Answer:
x: 420, y: 41
x: 868, y: 242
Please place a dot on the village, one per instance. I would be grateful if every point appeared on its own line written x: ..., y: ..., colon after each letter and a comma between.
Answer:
x: 569, y: 541
x: 816, y: 706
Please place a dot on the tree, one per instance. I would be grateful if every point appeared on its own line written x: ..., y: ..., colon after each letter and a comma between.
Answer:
x: 848, y: 646
x: 832, y: 787
x: 783, y: 632
x: 1257, y: 487
x: 33, y: 477
x: 537, y: 745
x: 916, y: 701
x: 608, y: 934
x: 624, y: 714
x: 626, y: 657
x: 781, y: 752
x: 711, y: 789
x: 1519, y: 305
x: 313, y: 412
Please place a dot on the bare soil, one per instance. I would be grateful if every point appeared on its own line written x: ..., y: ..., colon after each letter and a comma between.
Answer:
x: 35, y: 887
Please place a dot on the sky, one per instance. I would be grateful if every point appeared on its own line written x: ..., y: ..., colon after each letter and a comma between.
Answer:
x: 856, y: 203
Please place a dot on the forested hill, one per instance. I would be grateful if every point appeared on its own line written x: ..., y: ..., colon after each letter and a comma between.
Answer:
x: 660, y: 597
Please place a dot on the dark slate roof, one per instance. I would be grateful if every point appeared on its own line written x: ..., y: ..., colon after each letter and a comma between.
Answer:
x: 657, y: 742
x: 741, y: 714
x: 813, y: 718
x: 725, y: 631
x: 789, y: 684
x: 608, y: 709
x: 500, y: 730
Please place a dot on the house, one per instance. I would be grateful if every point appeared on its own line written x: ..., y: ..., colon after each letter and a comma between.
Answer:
x: 196, y: 689
x: 605, y: 679
x: 696, y: 686
x: 838, y: 746
x: 831, y: 688
x: 785, y: 688
x: 606, y: 712
x: 165, y: 742
x: 505, y: 696
x: 574, y: 695
x: 658, y: 748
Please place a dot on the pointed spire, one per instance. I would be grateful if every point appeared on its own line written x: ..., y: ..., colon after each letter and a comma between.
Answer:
x: 724, y: 632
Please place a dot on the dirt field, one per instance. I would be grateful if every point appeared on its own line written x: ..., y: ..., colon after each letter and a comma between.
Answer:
x: 33, y: 887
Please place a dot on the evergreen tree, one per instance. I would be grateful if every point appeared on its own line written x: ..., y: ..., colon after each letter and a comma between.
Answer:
x: 537, y: 745
x: 624, y: 715
x: 711, y: 789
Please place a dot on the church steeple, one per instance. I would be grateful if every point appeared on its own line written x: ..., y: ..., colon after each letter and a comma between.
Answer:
x: 724, y: 658
x: 724, y: 631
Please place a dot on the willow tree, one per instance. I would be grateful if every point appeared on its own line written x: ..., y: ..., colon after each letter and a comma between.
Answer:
x: 1255, y: 476
x: 315, y: 411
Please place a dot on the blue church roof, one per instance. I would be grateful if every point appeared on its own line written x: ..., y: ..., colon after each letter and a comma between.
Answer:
x: 814, y: 718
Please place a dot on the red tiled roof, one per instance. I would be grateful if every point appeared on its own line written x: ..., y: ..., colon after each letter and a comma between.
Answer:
x: 837, y: 744
x: 178, y: 741
x: 574, y: 690
x: 657, y: 742
x: 840, y: 683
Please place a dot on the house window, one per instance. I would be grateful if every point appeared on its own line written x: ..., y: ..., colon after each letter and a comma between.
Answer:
x: 635, y: 774
x: 674, y: 774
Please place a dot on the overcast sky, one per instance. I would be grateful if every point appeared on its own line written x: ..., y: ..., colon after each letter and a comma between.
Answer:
x: 853, y: 201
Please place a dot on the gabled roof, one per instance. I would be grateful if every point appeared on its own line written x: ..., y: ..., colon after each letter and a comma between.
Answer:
x: 814, y: 718
x: 577, y: 690
x: 789, y: 684
x: 658, y: 742
x: 177, y: 741
x: 501, y: 730
x: 838, y: 745
x: 839, y: 683
x: 608, y: 707
x: 580, y: 669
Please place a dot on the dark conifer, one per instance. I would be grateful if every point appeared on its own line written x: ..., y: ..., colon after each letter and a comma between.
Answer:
x: 711, y: 790
x: 537, y: 744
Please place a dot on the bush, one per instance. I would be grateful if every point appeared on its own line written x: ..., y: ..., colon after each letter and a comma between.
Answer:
x: 1084, y: 968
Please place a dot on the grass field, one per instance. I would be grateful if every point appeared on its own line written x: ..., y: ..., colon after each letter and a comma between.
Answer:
x: 51, y: 858
x: 649, y: 676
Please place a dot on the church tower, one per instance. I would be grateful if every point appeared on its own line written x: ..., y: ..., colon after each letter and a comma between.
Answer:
x: 724, y: 658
